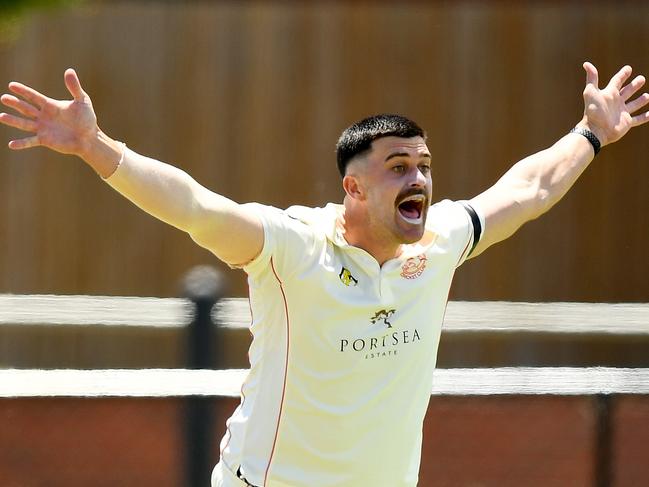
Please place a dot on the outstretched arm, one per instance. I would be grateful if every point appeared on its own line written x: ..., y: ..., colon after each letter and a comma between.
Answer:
x: 227, y: 229
x: 532, y: 186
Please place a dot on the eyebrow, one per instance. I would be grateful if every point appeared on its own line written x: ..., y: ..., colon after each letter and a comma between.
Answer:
x: 406, y: 154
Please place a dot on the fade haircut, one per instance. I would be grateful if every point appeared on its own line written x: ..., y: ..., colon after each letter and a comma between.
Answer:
x: 358, y: 138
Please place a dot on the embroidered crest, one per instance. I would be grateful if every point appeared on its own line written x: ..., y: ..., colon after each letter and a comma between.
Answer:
x: 413, y: 267
x: 346, y: 277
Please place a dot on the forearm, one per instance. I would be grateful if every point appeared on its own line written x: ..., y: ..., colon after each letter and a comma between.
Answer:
x: 542, y: 179
x: 232, y: 232
x: 531, y: 187
x: 101, y: 153
x: 171, y: 195
x: 162, y: 190
x: 159, y: 189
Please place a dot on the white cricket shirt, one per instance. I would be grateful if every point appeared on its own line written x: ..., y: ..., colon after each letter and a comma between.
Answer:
x: 343, y: 352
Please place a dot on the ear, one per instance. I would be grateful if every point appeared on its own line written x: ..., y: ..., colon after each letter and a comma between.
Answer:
x: 353, y: 187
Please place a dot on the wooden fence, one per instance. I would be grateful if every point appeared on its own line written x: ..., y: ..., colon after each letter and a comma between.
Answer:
x: 250, y: 97
x: 130, y: 332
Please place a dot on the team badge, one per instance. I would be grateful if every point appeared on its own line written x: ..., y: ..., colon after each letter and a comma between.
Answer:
x: 346, y: 277
x: 383, y: 316
x: 413, y: 267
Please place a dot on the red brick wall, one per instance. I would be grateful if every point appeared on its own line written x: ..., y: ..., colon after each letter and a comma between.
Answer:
x: 509, y: 441
x: 95, y: 442
x: 631, y: 439
x: 468, y: 441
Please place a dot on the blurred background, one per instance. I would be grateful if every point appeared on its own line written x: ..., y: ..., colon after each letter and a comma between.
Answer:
x: 250, y: 97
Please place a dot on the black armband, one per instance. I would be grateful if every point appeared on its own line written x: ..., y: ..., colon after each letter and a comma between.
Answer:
x: 592, y: 138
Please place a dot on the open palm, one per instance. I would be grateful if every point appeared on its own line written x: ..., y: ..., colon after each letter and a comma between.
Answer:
x: 609, y: 111
x: 61, y: 125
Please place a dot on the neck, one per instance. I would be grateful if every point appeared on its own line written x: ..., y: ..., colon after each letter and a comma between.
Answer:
x: 360, y: 233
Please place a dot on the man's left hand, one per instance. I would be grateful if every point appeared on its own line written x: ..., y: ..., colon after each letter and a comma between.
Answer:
x: 608, y: 112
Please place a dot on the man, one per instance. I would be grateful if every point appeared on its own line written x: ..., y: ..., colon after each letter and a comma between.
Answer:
x: 347, y: 300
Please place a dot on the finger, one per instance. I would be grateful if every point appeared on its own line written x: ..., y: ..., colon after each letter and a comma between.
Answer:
x: 638, y: 103
x: 25, y: 143
x: 592, y: 78
x: 20, y: 106
x: 29, y: 94
x: 640, y: 119
x: 620, y: 78
x: 632, y: 88
x: 73, y: 84
x: 18, y: 122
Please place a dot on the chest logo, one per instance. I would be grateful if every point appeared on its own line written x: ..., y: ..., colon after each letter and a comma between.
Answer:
x: 346, y: 277
x: 383, y: 316
x: 413, y: 267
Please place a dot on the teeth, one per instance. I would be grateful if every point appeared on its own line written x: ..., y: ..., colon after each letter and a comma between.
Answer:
x: 414, y: 197
x: 418, y: 198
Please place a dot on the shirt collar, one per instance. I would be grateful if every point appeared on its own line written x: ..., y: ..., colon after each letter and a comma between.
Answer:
x: 329, y: 221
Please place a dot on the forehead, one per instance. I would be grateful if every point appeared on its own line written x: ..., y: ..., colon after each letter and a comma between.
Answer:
x: 386, y: 146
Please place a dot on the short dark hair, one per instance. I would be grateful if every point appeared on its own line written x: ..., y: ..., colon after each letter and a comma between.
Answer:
x: 359, y: 137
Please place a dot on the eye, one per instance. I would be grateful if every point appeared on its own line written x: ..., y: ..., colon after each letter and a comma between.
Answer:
x: 399, y: 168
x: 424, y: 168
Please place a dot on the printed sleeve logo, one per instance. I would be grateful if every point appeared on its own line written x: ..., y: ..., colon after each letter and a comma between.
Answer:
x: 413, y: 267
x: 346, y: 277
x: 383, y: 316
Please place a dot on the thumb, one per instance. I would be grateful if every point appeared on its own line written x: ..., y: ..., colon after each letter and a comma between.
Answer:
x: 73, y: 85
x: 591, y: 74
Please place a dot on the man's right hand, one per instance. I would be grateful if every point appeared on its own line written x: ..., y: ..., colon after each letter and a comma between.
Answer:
x: 66, y: 126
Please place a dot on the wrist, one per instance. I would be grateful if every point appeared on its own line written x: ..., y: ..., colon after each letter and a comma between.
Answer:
x: 585, y: 124
x: 87, y: 146
x: 585, y: 131
x: 102, y: 153
x: 590, y: 137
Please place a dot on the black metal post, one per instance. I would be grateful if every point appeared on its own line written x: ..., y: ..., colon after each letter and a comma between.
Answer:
x: 603, y: 460
x: 204, y: 287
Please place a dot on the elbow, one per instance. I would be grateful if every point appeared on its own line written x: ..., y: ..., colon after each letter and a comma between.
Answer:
x: 534, y: 201
x: 207, y: 215
x: 544, y: 202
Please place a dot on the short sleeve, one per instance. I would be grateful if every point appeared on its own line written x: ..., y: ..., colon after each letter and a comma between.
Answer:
x: 289, y: 244
x: 454, y: 227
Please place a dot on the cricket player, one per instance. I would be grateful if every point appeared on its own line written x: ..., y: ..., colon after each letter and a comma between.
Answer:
x: 347, y: 300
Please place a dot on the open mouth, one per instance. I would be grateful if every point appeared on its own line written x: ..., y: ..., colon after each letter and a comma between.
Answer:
x: 411, y: 208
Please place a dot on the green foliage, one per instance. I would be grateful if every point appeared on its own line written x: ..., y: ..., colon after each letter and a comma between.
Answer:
x: 12, y: 12
x: 15, y: 7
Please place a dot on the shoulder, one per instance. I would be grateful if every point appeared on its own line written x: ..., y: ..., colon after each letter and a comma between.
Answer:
x: 446, y: 217
x: 291, y: 236
x: 302, y: 216
x: 452, y: 229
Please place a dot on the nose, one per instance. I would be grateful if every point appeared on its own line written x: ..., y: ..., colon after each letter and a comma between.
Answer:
x: 418, y: 179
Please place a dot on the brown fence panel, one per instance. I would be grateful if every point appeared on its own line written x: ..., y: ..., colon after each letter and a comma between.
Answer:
x: 249, y: 97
